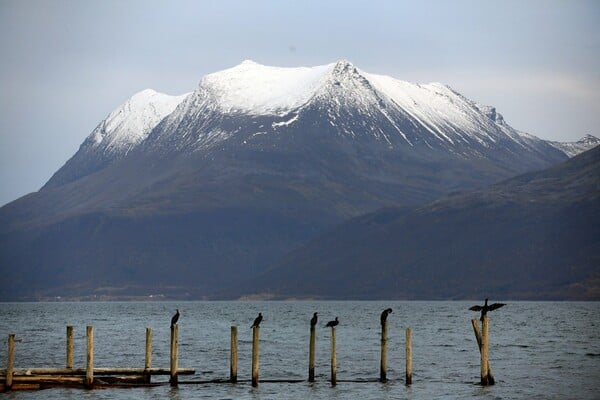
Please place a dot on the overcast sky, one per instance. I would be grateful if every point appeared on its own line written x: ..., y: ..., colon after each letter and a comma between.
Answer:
x: 64, y: 65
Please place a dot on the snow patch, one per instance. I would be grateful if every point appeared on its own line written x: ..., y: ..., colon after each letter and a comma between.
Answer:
x: 276, y: 125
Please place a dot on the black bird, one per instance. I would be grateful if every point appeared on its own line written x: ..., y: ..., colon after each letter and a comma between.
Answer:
x: 175, y: 318
x: 257, y: 321
x: 384, y: 315
x: 485, y: 308
x: 313, y: 320
x: 331, y: 324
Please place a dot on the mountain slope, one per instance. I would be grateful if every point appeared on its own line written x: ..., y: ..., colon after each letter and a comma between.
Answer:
x: 533, y: 236
x: 253, y: 163
x: 120, y: 132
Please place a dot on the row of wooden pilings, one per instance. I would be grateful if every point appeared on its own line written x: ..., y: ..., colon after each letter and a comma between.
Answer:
x: 482, y: 340
x: 311, y: 355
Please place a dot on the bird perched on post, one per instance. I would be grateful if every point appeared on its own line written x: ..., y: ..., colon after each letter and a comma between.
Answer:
x: 485, y: 308
x: 313, y: 320
x: 384, y: 315
x: 333, y: 323
x: 257, y: 321
x: 175, y: 318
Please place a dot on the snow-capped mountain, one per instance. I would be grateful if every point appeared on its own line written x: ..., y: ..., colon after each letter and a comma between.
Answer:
x: 573, y: 148
x: 120, y: 132
x: 257, y: 160
x: 252, y: 104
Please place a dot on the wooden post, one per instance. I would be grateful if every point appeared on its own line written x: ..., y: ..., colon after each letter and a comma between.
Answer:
x: 148, y: 361
x: 174, y: 354
x: 311, y: 354
x: 234, y: 356
x: 475, y: 324
x: 333, y: 358
x: 10, y: 360
x: 70, y: 347
x: 89, y: 368
x: 408, y: 357
x: 255, y: 337
x: 484, y: 351
x: 383, y: 363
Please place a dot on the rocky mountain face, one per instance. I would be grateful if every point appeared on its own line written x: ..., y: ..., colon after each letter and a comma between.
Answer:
x: 186, y: 195
x: 535, y: 236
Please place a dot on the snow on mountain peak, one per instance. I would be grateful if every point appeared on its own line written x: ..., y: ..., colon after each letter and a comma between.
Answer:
x: 131, y: 122
x: 144, y: 94
x: 573, y: 148
x: 426, y: 113
x: 249, y: 62
x: 343, y: 66
x: 446, y: 116
x: 253, y: 88
x: 589, y: 139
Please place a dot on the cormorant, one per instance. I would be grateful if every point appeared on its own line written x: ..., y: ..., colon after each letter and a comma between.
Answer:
x: 384, y: 315
x: 485, y: 308
x: 331, y: 324
x: 313, y: 320
x: 175, y: 317
x: 257, y: 321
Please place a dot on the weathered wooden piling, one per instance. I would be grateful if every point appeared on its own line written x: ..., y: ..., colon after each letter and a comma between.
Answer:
x: 311, y: 354
x: 234, y: 356
x: 383, y: 362
x: 408, y: 357
x: 174, y: 355
x: 89, y: 366
x: 10, y: 360
x: 475, y: 324
x: 70, y: 347
x: 148, y: 358
x: 255, y: 339
x: 484, y: 351
x: 333, y: 358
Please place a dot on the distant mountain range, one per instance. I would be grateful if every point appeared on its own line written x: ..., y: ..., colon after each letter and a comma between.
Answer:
x: 535, y: 236
x: 187, y: 195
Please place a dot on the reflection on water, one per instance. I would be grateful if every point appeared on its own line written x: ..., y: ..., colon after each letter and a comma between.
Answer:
x: 537, y: 350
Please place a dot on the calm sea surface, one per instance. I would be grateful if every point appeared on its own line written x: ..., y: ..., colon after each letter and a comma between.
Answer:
x: 537, y: 350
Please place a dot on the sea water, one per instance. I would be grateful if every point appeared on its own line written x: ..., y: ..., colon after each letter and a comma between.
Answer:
x: 538, y: 350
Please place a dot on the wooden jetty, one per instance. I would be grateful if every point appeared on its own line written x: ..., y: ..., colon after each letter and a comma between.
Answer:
x: 89, y: 377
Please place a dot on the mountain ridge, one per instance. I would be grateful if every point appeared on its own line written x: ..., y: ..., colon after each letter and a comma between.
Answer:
x: 534, y: 236
x: 223, y: 95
